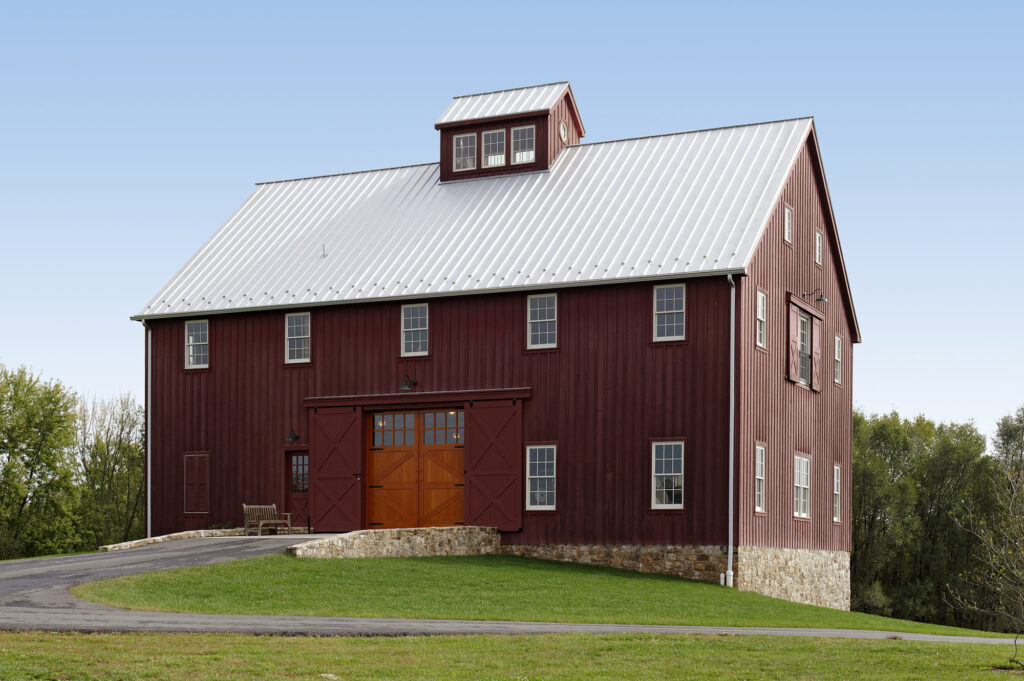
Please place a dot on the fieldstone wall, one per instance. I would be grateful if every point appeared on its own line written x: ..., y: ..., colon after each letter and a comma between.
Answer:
x: 403, y: 543
x: 703, y: 563
x: 809, y: 576
x: 190, y: 534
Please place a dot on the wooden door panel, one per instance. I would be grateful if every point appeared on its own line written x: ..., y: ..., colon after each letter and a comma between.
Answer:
x: 494, y: 465
x: 391, y: 507
x: 335, y: 467
x: 440, y: 506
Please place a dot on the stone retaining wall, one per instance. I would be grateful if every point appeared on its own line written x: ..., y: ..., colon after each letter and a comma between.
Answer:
x: 190, y: 534
x: 704, y: 563
x: 403, y: 543
x: 809, y: 576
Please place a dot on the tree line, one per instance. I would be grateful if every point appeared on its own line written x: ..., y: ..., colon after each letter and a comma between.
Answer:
x: 71, y: 470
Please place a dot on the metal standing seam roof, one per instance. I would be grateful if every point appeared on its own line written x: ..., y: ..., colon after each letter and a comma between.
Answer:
x: 502, y: 103
x: 668, y: 206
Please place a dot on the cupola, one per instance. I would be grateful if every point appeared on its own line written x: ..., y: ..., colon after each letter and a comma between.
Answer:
x: 507, y: 131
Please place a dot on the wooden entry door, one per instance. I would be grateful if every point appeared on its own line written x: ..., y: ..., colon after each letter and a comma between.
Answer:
x: 298, y: 487
x: 414, y: 467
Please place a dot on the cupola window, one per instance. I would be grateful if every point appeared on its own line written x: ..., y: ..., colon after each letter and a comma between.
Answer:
x: 523, y: 144
x: 465, y: 152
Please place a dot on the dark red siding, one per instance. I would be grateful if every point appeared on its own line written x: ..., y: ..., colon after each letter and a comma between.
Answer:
x: 772, y: 409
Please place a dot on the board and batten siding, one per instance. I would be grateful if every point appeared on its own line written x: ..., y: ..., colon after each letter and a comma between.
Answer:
x: 788, y: 418
x: 602, y: 395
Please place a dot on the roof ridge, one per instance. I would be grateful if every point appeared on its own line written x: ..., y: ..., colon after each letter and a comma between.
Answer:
x: 511, y: 89
x: 349, y: 172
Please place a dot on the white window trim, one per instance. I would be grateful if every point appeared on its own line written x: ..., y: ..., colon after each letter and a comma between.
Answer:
x: 529, y: 322
x: 483, y: 149
x: 761, y: 319
x: 798, y: 510
x: 512, y: 149
x: 425, y: 328
x: 819, y: 247
x: 309, y: 328
x: 837, y: 506
x: 655, y: 313
x: 455, y: 159
x: 554, y: 462
x: 787, y: 226
x: 197, y: 366
x: 682, y: 490
x: 802, y: 317
x: 760, y: 475
x: 837, y: 362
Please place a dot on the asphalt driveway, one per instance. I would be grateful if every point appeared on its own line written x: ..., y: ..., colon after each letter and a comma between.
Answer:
x: 34, y: 595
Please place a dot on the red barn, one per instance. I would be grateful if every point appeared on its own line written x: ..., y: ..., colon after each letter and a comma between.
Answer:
x: 635, y: 352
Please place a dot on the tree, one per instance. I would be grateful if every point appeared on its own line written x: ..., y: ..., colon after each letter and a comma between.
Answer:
x: 1008, y: 442
x: 110, y: 448
x: 37, y: 492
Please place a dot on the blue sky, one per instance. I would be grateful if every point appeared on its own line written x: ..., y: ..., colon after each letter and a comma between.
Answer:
x: 130, y: 132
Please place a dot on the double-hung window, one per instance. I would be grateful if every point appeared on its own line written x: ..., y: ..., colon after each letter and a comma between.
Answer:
x: 804, y: 347
x: 759, y: 452
x: 667, y: 475
x: 540, y: 478
x: 197, y: 344
x: 494, y: 148
x: 837, y: 361
x: 542, y: 321
x: 761, y: 334
x: 296, y: 338
x: 414, y: 330
x: 523, y: 144
x: 465, y: 152
x: 836, y: 486
x: 801, y: 487
x: 670, y: 312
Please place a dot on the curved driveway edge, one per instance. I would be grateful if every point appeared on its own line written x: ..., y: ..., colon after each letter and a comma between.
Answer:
x: 34, y: 595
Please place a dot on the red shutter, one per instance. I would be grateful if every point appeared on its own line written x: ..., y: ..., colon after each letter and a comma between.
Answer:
x: 794, y: 344
x: 816, y: 353
x: 197, y: 483
x: 494, y: 465
x: 335, y: 469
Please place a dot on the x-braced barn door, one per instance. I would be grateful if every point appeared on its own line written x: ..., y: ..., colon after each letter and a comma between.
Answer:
x: 335, y: 469
x: 494, y: 464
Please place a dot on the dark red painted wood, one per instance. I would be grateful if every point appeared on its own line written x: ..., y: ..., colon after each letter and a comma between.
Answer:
x: 494, y: 465
x: 335, y: 469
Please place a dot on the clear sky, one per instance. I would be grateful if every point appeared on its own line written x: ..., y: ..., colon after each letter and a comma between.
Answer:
x: 130, y: 132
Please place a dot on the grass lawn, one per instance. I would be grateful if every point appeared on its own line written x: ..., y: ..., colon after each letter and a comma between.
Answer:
x: 515, y: 658
x: 478, y: 587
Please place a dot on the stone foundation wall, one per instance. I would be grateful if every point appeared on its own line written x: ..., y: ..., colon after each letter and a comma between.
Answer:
x: 190, y: 534
x: 809, y: 576
x: 403, y: 543
x: 703, y: 563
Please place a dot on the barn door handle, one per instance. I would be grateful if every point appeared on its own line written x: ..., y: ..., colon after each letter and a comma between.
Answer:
x: 375, y: 487
x: 460, y: 484
x: 358, y: 475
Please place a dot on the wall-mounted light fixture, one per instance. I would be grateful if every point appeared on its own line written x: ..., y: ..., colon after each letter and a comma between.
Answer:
x: 408, y: 383
x: 821, y: 295
x: 292, y: 436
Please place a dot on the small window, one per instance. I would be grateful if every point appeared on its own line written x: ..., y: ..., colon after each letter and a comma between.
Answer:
x: 540, y: 478
x: 494, y: 148
x: 197, y: 344
x: 523, y: 144
x: 394, y: 430
x: 670, y: 312
x: 819, y: 247
x: 761, y: 336
x: 837, y: 362
x: 296, y: 337
x: 444, y: 427
x: 465, y: 152
x: 414, y: 330
x: 804, y: 347
x: 788, y: 233
x: 300, y: 473
x: 836, y: 485
x: 543, y: 321
x: 667, y: 475
x: 801, y: 487
x: 759, y: 478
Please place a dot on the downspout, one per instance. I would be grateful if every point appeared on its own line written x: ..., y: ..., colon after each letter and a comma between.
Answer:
x: 732, y: 420
x: 149, y: 428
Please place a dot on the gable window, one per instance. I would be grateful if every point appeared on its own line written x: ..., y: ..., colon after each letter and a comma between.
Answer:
x: 465, y: 152
x: 197, y: 344
x: 788, y: 227
x: 805, y: 340
x: 836, y: 484
x: 761, y: 335
x: 667, y: 475
x: 494, y: 148
x: 804, y: 347
x: 670, y: 312
x: 296, y: 337
x: 540, y: 478
x: 759, y: 451
x: 819, y: 247
x: 837, y: 361
x: 414, y: 330
x: 543, y: 321
x: 523, y: 144
x: 801, y: 487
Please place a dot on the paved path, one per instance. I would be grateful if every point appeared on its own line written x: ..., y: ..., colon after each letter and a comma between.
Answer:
x: 34, y: 594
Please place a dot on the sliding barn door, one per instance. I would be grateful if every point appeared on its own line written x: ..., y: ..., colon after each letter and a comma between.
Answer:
x: 335, y: 469
x: 494, y: 464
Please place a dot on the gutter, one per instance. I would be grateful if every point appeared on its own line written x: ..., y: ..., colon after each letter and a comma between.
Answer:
x: 149, y: 429
x: 732, y: 422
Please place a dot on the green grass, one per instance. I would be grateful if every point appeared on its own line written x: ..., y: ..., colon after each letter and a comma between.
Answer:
x: 479, y: 587
x: 116, y: 657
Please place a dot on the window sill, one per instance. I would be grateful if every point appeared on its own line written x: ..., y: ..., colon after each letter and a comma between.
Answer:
x: 541, y: 511
x: 763, y: 350
x: 801, y: 520
x: 412, y: 358
x: 293, y: 365
x: 666, y: 511
x: 533, y: 351
x: 760, y: 514
x: 197, y: 370
x: 668, y: 343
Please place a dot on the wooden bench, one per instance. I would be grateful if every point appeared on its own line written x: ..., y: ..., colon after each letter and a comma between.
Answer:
x: 259, y: 516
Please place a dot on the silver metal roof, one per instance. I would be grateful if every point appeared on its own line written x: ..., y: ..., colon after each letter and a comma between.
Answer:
x: 685, y: 204
x: 502, y: 103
